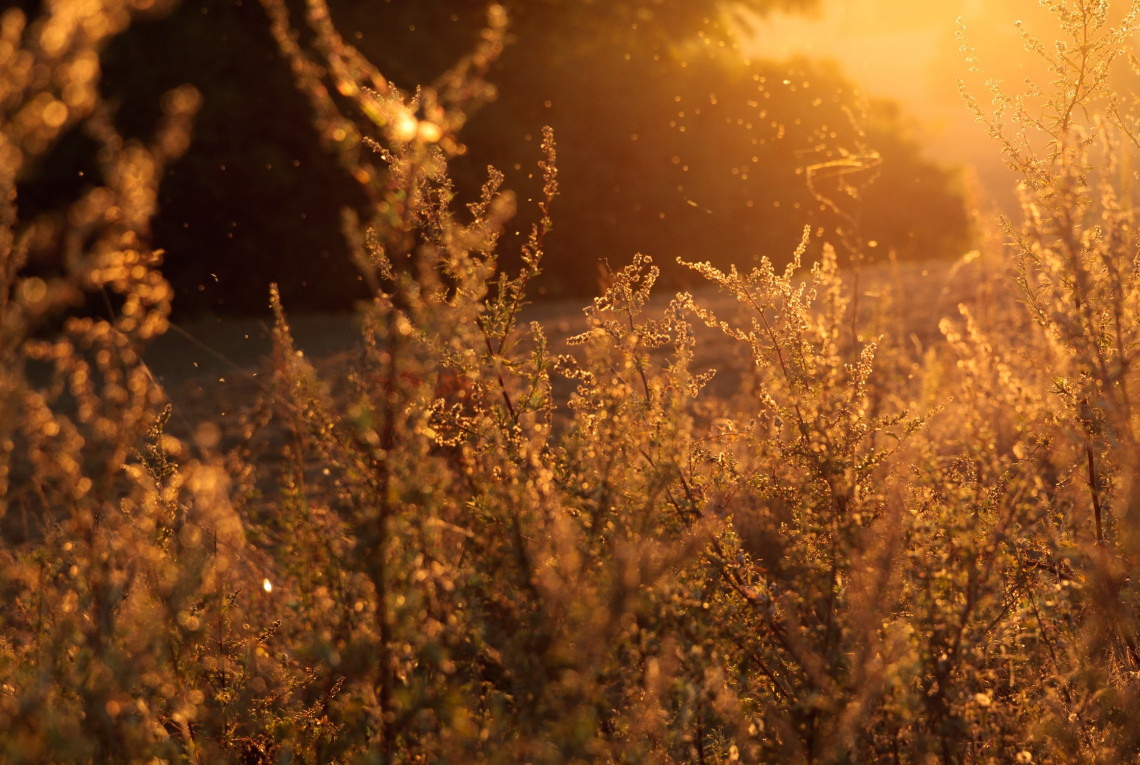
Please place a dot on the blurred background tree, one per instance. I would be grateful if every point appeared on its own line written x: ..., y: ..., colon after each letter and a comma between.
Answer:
x: 670, y: 143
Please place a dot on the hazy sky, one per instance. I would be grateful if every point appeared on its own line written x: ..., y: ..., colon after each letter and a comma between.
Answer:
x: 906, y: 50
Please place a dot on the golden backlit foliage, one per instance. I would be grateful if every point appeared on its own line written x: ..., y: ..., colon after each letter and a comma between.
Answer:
x: 472, y: 547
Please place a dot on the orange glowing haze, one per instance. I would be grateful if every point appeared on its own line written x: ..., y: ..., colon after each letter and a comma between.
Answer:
x: 907, y: 51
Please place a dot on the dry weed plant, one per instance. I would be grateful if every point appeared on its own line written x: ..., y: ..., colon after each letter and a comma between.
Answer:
x: 448, y: 555
x: 123, y: 559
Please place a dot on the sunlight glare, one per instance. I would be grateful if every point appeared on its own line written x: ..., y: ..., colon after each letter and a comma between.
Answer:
x: 908, y: 52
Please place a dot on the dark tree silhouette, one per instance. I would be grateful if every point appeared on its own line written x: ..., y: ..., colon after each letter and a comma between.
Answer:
x: 669, y: 143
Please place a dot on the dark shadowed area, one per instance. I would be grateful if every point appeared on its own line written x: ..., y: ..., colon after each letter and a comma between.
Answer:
x: 672, y: 143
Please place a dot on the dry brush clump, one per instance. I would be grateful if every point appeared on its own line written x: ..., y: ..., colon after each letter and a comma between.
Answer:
x: 473, y: 547
x: 128, y: 585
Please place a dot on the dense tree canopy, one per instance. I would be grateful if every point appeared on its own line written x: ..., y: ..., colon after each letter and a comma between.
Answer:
x: 669, y: 143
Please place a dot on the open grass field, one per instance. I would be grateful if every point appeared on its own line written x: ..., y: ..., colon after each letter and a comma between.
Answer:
x: 212, y: 366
